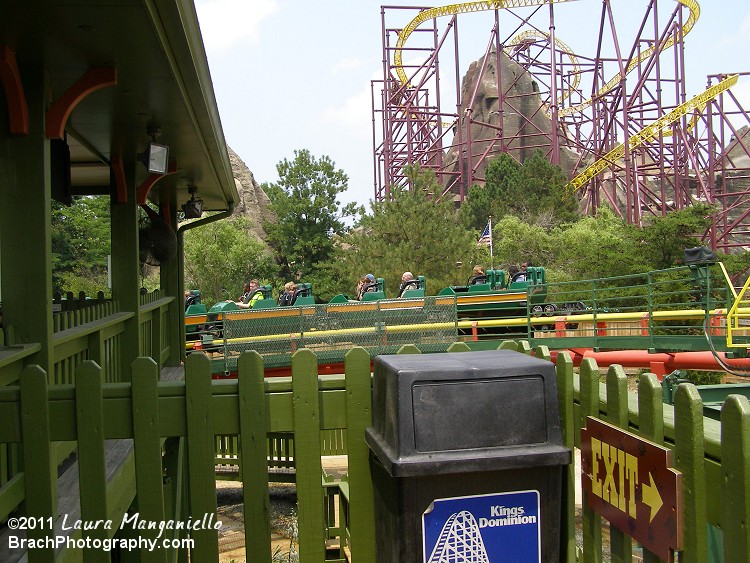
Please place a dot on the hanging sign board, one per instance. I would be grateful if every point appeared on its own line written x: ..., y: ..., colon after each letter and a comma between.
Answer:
x: 630, y: 482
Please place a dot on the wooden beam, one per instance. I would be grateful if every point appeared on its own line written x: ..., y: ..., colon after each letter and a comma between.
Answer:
x: 18, y: 109
x: 121, y: 188
x: 93, y: 79
x: 144, y: 189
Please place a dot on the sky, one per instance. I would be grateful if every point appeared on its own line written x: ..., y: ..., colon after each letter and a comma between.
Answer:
x: 296, y: 74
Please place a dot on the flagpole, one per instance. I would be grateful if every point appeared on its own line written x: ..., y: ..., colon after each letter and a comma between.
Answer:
x: 492, y: 264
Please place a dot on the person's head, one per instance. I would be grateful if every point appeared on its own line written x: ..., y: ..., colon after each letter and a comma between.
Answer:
x: 407, y: 276
x: 251, y: 285
x: 290, y: 287
x: 525, y: 265
x: 478, y: 271
x: 512, y: 270
x: 369, y: 278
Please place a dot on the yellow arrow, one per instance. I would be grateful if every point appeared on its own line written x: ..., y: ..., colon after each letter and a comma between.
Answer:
x: 651, y: 497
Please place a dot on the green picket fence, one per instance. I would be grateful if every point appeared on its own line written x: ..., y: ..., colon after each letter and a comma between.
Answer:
x: 172, y: 428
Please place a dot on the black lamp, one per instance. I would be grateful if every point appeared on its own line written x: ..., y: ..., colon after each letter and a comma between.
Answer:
x: 193, y: 208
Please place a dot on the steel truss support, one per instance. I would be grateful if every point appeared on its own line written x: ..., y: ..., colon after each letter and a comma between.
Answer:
x: 618, y: 119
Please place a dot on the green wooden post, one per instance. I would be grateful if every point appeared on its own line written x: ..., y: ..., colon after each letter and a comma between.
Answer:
x: 174, y: 469
x: 92, y: 474
x: 156, y: 336
x: 170, y: 286
x: 97, y: 350
x: 459, y: 347
x: 147, y: 449
x: 200, y: 454
x: 253, y: 463
x: 409, y: 349
x: 39, y: 465
x: 735, y: 469
x: 359, y: 417
x: 25, y: 226
x: 564, y: 373
x: 310, y: 516
x: 650, y: 422
x: 688, y: 458
x: 618, y: 414
x: 126, y: 270
x: 592, y: 522
x: 542, y: 352
x: 524, y: 347
x: 508, y: 345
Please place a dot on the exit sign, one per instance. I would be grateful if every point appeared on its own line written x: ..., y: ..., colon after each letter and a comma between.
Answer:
x: 630, y: 482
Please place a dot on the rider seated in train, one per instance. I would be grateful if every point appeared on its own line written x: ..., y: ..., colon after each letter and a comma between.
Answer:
x: 287, y: 296
x: 251, y: 293
x: 408, y: 281
x: 478, y: 276
x: 366, y: 284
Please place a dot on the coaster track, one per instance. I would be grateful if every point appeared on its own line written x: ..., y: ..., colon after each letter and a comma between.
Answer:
x: 651, y: 131
x: 645, y: 135
x: 468, y: 7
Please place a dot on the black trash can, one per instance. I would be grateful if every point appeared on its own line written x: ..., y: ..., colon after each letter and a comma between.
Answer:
x: 467, y: 458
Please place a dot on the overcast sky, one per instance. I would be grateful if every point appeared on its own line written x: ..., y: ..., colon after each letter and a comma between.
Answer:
x: 296, y: 74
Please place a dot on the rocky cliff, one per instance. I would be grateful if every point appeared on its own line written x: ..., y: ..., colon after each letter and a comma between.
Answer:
x: 525, y: 125
x: 254, y: 203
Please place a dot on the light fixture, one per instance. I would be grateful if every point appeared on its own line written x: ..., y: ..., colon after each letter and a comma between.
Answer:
x: 193, y: 208
x: 156, y: 157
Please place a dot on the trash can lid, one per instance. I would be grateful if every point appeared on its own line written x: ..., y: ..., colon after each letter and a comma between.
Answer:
x: 459, y: 412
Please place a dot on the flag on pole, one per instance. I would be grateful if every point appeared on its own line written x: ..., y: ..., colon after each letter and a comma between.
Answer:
x: 486, y: 237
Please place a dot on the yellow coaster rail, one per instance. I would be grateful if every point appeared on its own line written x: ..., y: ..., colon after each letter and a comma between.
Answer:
x: 651, y: 131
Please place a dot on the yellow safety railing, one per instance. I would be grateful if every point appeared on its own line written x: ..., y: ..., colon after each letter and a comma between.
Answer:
x: 738, y: 325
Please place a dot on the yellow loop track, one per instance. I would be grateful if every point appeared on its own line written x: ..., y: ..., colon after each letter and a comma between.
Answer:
x: 645, y: 135
x: 651, y: 131
x: 468, y: 7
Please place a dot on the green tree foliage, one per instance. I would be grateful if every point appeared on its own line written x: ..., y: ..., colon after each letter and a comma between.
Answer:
x: 664, y: 239
x: 221, y: 256
x: 333, y: 276
x: 533, y: 191
x: 80, y: 244
x: 595, y: 247
x: 516, y: 241
x: 412, y: 231
x: 309, y: 214
x: 484, y: 201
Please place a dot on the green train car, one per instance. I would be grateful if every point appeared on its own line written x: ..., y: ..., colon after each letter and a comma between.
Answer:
x: 377, y: 322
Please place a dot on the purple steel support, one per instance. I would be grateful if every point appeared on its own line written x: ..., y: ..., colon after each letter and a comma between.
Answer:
x: 554, y: 140
x: 728, y: 173
x: 593, y: 104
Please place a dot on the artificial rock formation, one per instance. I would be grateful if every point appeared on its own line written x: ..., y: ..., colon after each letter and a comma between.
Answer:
x: 254, y: 203
x: 526, y: 126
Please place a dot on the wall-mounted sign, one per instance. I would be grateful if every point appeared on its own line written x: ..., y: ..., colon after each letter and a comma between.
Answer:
x: 630, y: 482
x: 483, y: 528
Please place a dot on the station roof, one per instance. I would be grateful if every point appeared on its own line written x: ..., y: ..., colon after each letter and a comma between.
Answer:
x: 163, y: 82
